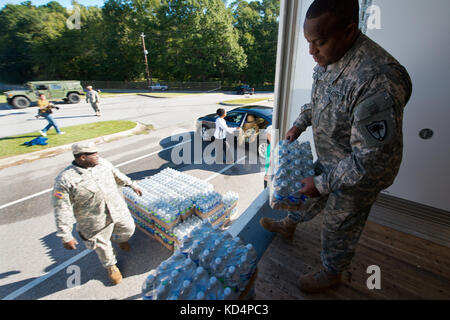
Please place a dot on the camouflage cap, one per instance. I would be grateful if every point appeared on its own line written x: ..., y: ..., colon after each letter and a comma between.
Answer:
x: 84, y: 147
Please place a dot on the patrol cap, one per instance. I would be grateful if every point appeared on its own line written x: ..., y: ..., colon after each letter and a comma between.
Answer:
x: 84, y: 147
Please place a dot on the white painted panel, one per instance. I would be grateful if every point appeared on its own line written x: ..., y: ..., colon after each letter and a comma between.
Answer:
x: 415, y: 32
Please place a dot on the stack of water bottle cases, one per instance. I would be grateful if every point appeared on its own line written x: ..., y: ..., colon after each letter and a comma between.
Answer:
x: 174, y: 203
x: 292, y: 162
x: 209, y: 265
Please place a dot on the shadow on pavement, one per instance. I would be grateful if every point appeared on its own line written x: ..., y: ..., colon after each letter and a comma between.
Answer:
x: 5, y: 106
x: 12, y: 114
x: 244, y: 167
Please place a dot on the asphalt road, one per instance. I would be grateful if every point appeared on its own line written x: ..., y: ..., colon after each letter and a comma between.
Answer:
x: 33, y: 263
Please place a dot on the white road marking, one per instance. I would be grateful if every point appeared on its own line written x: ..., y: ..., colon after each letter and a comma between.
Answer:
x: 52, y: 272
x: 119, y: 165
x: 72, y: 260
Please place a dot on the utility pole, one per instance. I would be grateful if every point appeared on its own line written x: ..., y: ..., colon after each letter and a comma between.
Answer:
x: 149, y: 81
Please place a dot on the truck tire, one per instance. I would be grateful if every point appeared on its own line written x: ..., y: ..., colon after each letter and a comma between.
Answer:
x: 20, y: 102
x: 73, y: 97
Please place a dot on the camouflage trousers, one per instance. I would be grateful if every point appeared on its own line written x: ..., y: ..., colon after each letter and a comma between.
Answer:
x: 345, y: 214
x: 95, y: 106
x: 118, y: 231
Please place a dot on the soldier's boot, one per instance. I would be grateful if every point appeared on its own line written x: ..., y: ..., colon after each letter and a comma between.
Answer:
x: 125, y: 246
x: 318, y: 281
x: 114, y: 274
x: 286, y: 227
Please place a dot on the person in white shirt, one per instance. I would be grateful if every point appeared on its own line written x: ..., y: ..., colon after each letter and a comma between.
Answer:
x: 220, y: 135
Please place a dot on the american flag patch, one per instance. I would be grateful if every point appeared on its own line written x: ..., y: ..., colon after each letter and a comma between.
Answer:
x: 58, y: 194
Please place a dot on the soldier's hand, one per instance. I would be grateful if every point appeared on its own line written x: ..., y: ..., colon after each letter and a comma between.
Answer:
x: 138, y: 191
x: 309, y: 189
x: 293, y: 134
x: 71, y: 245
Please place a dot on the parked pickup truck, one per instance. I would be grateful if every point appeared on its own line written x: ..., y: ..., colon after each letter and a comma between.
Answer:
x: 68, y: 91
x: 159, y: 87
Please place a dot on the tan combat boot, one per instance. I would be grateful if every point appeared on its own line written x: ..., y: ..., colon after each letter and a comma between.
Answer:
x: 114, y: 274
x: 285, y: 227
x: 318, y: 281
x: 125, y: 246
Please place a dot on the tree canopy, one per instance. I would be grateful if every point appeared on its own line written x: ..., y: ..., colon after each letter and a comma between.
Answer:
x: 186, y: 40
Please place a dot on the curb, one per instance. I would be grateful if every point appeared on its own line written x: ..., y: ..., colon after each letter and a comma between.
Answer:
x: 32, y: 156
x: 243, y: 104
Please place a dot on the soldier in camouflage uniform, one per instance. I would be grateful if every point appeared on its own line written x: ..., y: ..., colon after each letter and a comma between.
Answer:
x: 93, y: 97
x: 356, y: 112
x: 87, y: 191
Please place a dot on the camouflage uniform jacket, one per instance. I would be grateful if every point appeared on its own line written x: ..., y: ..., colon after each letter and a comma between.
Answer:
x: 92, y: 96
x: 90, y: 196
x: 356, y: 113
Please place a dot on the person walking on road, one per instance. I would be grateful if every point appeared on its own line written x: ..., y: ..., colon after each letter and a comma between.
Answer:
x: 87, y: 191
x: 356, y: 112
x: 220, y: 137
x: 45, y: 110
x: 93, y: 97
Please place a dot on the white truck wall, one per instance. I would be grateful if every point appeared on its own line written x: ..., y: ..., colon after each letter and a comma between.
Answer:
x: 415, y: 32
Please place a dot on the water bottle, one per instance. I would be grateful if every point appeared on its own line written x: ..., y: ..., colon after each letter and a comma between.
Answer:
x: 176, y: 260
x: 232, y: 278
x: 176, y: 283
x: 218, y: 268
x: 189, y: 269
x: 163, y: 270
x: 206, y: 259
x: 149, y: 286
x: 162, y: 292
x: 251, y: 255
x: 201, y: 279
x: 215, y: 290
x: 187, y: 291
x: 196, y: 250
x: 228, y: 294
x: 200, y: 296
x: 245, y: 271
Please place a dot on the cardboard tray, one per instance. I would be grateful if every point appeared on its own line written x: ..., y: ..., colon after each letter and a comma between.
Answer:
x: 154, y: 218
x: 209, y: 213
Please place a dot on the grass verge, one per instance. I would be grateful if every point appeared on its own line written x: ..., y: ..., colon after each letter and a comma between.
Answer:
x: 14, y: 145
x: 244, y: 101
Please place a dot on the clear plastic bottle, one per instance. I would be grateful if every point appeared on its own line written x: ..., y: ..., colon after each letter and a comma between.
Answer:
x: 189, y: 269
x: 245, y: 271
x: 149, y: 286
x: 232, y: 278
x: 206, y: 259
x: 201, y: 279
x: 215, y: 290
x: 176, y: 282
x: 162, y: 292
x: 196, y: 250
x: 252, y: 256
x: 228, y: 294
x: 218, y: 268
x: 187, y: 291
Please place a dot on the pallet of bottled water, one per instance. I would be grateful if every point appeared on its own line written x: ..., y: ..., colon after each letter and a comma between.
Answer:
x: 292, y: 163
x: 169, y: 201
x: 209, y: 265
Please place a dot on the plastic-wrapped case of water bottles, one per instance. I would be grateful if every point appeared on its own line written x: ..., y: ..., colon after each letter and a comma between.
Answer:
x: 210, y: 265
x: 174, y: 203
x: 292, y: 163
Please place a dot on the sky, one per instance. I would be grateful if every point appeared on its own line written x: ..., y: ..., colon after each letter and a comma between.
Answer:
x: 64, y: 3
